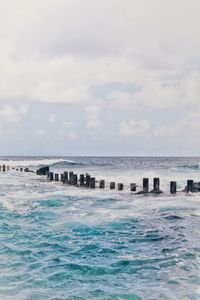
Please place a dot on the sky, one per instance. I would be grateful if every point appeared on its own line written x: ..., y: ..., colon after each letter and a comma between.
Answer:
x: 100, y: 77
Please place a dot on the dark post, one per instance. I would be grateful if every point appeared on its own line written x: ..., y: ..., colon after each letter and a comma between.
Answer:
x: 172, y: 187
x: 92, y: 183
x: 0, y: 168
x: 133, y: 187
x: 21, y: 169
x: 51, y: 176
x: 145, y: 185
x: 4, y: 168
x: 190, y: 184
x: 82, y: 179
x: 156, y: 184
x: 74, y: 179
x: 112, y: 185
x: 88, y: 178
x: 48, y: 175
x: 65, y: 180
x: 120, y: 186
x: 71, y: 177
x: 62, y: 177
x: 102, y: 184
x: 56, y: 177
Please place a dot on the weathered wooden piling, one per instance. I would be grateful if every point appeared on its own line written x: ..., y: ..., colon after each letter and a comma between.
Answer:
x: 92, y: 182
x: 102, y: 184
x: 156, y: 184
x: 75, y: 179
x: 62, y: 177
x: 190, y: 184
x: 120, y: 186
x: 145, y: 185
x: 51, y: 176
x: 65, y: 177
x: 21, y: 169
x: 71, y: 177
x: 56, y: 177
x: 112, y: 185
x: 133, y: 187
x: 88, y: 179
x: 82, y: 180
x: 3, y: 168
x: 172, y: 187
x: 41, y: 171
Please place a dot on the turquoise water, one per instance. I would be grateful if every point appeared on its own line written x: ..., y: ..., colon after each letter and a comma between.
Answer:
x: 61, y: 242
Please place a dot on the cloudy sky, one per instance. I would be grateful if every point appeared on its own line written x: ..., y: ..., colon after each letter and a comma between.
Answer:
x: 100, y: 77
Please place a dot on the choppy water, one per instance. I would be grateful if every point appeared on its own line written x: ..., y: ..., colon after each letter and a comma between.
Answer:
x: 61, y: 242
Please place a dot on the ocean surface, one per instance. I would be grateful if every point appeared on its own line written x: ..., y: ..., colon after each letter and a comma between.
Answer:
x: 64, y: 242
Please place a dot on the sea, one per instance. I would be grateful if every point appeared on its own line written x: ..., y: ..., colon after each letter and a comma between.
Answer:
x: 65, y: 242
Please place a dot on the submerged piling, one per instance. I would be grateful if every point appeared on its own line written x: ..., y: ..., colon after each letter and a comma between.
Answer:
x: 102, y: 184
x: 56, y: 177
x: 65, y: 177
x: 172, y: 187
x: 75, y: 179
x: 112, y: 185
x: 62, y: 177
x: 190, y: 184
x: 82, y: 180
x: 120, y: 186
x: 88, y: 178
x: 71, y: 177
x: 145, y: 185
x: 92, y: 182
x: 133, y: 187
x: 51, y: 176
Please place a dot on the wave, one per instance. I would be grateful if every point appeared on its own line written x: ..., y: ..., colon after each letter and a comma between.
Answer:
x: 192, y: 167
x: 38, y: 162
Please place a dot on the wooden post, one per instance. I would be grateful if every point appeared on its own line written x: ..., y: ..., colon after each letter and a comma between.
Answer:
x: 82, y: 180
x: 65, y: 180
x: 51, y: 176
x: 102, y: 184
x: 71, y: 177
x: 112, y: 185
x: 0, y: 168
x: 21, y: 169
x: 190, y: 184
x: 56, y: 177
x: 88, y: 178
x: 133, y: 187
x: 62, y: 177
x: 172, y: 187
x: 74, y: 179
x: 145, y: 185
x: 4, y: 168
x: 120, y: 186
x: 92, y: 183
x: 156, y: 184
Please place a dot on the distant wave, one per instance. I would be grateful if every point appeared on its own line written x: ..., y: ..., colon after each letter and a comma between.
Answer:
x: 38, y: 162
x: 193, y: 167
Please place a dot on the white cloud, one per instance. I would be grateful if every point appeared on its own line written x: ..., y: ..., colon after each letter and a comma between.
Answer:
x: 40, y: 132
x: 134, y: 128
x: 10, y: 114
x: 51, y: 118
x: 67, y: 124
